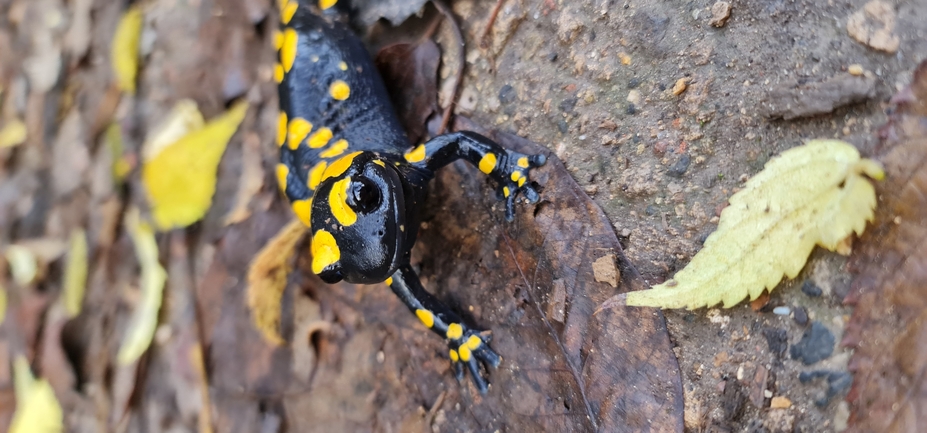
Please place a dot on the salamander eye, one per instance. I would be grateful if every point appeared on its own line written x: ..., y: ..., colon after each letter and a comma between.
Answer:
x: 364, y: 196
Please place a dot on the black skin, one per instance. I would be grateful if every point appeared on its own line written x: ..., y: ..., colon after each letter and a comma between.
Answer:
x: 379, y: 203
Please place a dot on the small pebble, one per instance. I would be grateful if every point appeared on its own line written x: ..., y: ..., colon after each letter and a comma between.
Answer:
x: 782, y: 311
x: 680, y: 167
x: 507, y: 94
x: 816, y: 344
x: 680, y: 86
x: 811, y: 289
x: 855, y: 69
x: 800, y: 316
x: 780, y: 402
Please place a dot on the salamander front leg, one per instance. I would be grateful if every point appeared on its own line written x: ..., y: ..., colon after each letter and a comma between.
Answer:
x: 510, y: 169
x: 466, y: 345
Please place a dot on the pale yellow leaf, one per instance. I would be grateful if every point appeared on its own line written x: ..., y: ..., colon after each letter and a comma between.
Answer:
x: 181, y: 178
x: 815, y: 194
x: 23, y: 264
x: 75, y: 274
x: 124, y: 48
x: 2, y: 303
x: 37, y: 408
x: 267, y: 280
x: 184, y: 118
x: 144, y: 319
x: 13, y: 133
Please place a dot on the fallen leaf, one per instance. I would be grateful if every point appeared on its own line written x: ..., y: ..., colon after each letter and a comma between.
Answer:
x: 888, y: 330
x: 144, y: 320
x: 13, y: 133
x: 23, y: 265
x: 75, y: 274
x: 181, y: 178
x: 184, y: 118
x: 267, y: 278
x: 412, y: 70
x: 37, y: 408
x: 124, y: 48
x: 812, y: 194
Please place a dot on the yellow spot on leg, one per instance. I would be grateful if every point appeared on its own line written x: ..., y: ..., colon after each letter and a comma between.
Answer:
x: 454, y: 331
x: 336, y: 149
x: 523, y: 162
x: 505, y: 191
x: 286, y: 14
x: 343, y: 66
x: 298, y: 130
x: 339, y: 90
x: 389, y: 281
x: 454, y: 356
x: 303, y: 211
x: 474, y: 342
x: 281, y: 129
x: 338, y: 201
x: 488, y: 163
x: 464, y: 353
x: 278, y: 73
x: 282, y: 172
x: 325, y: 4
x: 315, y: 175
x: 521, y: 181
x: 288, y: 51
x: 340, y: 165
x: 516, y: 175
x: 325, y: 251
x: 416, y: 155
x: 320, y: 138
x: 426, y: 317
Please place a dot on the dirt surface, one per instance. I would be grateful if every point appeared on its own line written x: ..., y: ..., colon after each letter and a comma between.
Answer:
x: 659, y: 110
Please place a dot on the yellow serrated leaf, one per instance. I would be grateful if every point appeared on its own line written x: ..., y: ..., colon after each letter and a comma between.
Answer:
x: 184, y: 118
x: 181, y: 178
x: 37, y: 408
x: 13, y: 133
x: 75, y: 274
x: 124, y: 48
x: 267, y: 280
x: 816, y: 194
x: 144, y: 320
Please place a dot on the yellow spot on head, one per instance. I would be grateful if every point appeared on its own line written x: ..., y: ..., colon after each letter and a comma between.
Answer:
x: 315, y: 175
x: 416, y: 155
x: 325, y: 4
x: 505, y: 191
x: 343, y: 66
x: 474, y: 342
x: 281, y: 129
x: 288, y: 11
x: 303, y: 211
x: 325, y: 251
x: 278, y: 73
x: 278, y: 40
x: 336, y: 149
x: 488, y: 163
x: 298, y: 130
x: 339, y: 90
x: 454, y: 331
x: 426, y: 317
x: 454, y: 356
x: 282, y: 172
x: 380, y: 163
x: 340, y: 165
x: 338, y: 202
x: 320, y: 138
x: 523, y: 162
x: 389, y: 281
x: 288, y: 50
x: 464, y: 353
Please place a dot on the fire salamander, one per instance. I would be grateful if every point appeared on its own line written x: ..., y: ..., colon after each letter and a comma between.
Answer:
x: 351, y: 176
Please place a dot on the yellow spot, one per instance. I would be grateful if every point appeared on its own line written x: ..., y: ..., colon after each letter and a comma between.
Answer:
x: 454, y: 331
x: 378, y: 162
x: 303, y: 209
x: 505, y: 191
x: 340, y: 165
x: 299, y: 128
x: 516, y: 175
x: 474, y: 342
x: 281, y: 129
x: 324, y: 250
x: 282, y: 172
x: 454, y: 356
x: 278, y: 40
x: 288, y: 11
x: 339, y: 90
x: 288, y: 51
x: 343, y: 66
x: 488, y: 163
x: 315, y: 175
x: 426, y: 317
x: 464, y: 353
x: 416, y: 155
x: 337, y: 149
x: 325, y: 4
x: 278, y: 73
x: 521, y: 181
x: 523, y: 162
x: 320, y: 138
x: 338, y: 202
x: 389, y: 281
